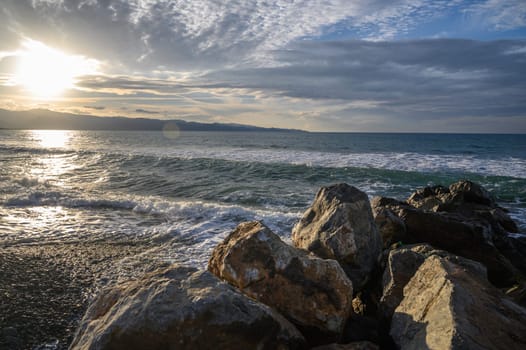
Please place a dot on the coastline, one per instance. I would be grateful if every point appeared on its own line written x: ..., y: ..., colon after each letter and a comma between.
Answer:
x: 45, y: 289
x: 49, y: 287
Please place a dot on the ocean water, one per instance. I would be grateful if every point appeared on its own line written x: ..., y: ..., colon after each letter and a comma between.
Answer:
x: 183, y: 192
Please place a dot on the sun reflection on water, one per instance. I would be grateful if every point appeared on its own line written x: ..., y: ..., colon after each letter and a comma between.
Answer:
x: 52, y: 167
x: 52, y: 138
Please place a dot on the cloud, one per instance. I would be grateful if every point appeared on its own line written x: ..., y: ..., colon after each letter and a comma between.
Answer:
x: 380, y: 83
x: 203, y: 34
x: 98, y: 108
x: 440, y: 76
x: 252, y: 59
x: 499, y: 14
x: 145, y: 111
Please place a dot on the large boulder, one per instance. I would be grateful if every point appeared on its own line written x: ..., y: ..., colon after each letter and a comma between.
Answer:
x: 182, y: 308
x: 402, y: 264
x: 452, y: 306
x: 314, y: 293
x: 340, y: 225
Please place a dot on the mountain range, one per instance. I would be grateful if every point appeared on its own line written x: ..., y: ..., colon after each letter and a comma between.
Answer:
x: 37, y: 119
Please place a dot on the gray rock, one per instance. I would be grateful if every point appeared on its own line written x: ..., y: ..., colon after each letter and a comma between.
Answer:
x: 182, y: 308
x: 340, y: 225
x: 313, y: 293
x: 450, y: 306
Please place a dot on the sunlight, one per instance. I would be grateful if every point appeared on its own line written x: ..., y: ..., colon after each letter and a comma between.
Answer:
x: 52, y: 138
x: 46, y: 72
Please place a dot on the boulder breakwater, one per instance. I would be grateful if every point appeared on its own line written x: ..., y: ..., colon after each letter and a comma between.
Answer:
x: 440, y: 270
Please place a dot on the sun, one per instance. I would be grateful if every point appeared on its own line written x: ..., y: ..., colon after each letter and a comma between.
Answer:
x: 46, y: 72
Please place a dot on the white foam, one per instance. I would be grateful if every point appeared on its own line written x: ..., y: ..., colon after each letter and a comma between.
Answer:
x: 409, y: 161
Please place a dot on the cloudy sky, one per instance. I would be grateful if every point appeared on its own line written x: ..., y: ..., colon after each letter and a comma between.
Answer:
x: 328, y: 65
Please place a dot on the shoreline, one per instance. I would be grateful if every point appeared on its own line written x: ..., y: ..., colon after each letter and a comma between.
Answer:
x: 46, y: 289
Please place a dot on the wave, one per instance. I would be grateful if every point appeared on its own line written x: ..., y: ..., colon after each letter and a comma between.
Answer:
x: 480, y: 164
x: 418, y: 162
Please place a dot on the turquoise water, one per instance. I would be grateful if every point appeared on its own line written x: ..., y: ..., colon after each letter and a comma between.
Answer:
x: 185, y: 192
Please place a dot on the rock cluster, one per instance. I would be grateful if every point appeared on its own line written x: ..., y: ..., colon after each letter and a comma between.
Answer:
x: 349, y: 281
x: 314, y: 293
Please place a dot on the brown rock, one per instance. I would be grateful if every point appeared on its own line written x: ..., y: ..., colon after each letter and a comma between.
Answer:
x: 313, y: 293
x: 182, y: 308
x: 391, y: 227
x: 450, y: 306
x: 339, y: 225
x: 466, y: 198
x: 472, y: 239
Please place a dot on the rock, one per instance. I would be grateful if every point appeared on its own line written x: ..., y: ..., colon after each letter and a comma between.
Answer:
x: 466, y: 198
x: 361, y: 345
x: 467, y: 191
x: 465, y: 220
x: 182, y: 308
x: 392, y: 228
x: 358, y: 306
x: 449, y: 306
x: 472, y: 239
x: 428, y: 198
x: 402, y: 264
x: 313, y: 293
x: 339, y: 225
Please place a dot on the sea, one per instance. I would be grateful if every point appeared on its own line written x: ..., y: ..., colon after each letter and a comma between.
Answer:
x: 183, y: 192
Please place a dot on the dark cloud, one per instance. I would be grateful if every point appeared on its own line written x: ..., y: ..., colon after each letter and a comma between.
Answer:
x: 98, y: 108
x: 145, y: 111
x: 438, y: 77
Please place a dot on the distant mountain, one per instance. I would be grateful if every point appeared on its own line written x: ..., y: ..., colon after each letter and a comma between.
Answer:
x: 46, y: 119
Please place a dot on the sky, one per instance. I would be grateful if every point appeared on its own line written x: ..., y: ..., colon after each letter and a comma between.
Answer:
x: 318, y: 65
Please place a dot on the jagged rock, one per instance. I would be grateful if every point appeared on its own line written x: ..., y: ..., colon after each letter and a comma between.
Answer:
x: 182, y: 308
x: 465, y: 220
x: 339, y: 225
x: 472, y: 239
x: 467, y: 191
x: 403, y: 263
x: 467, y: 199
x: 314, y: 293
x: 392, y: 228
x: 449, y: 306
x: 360, y: 345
